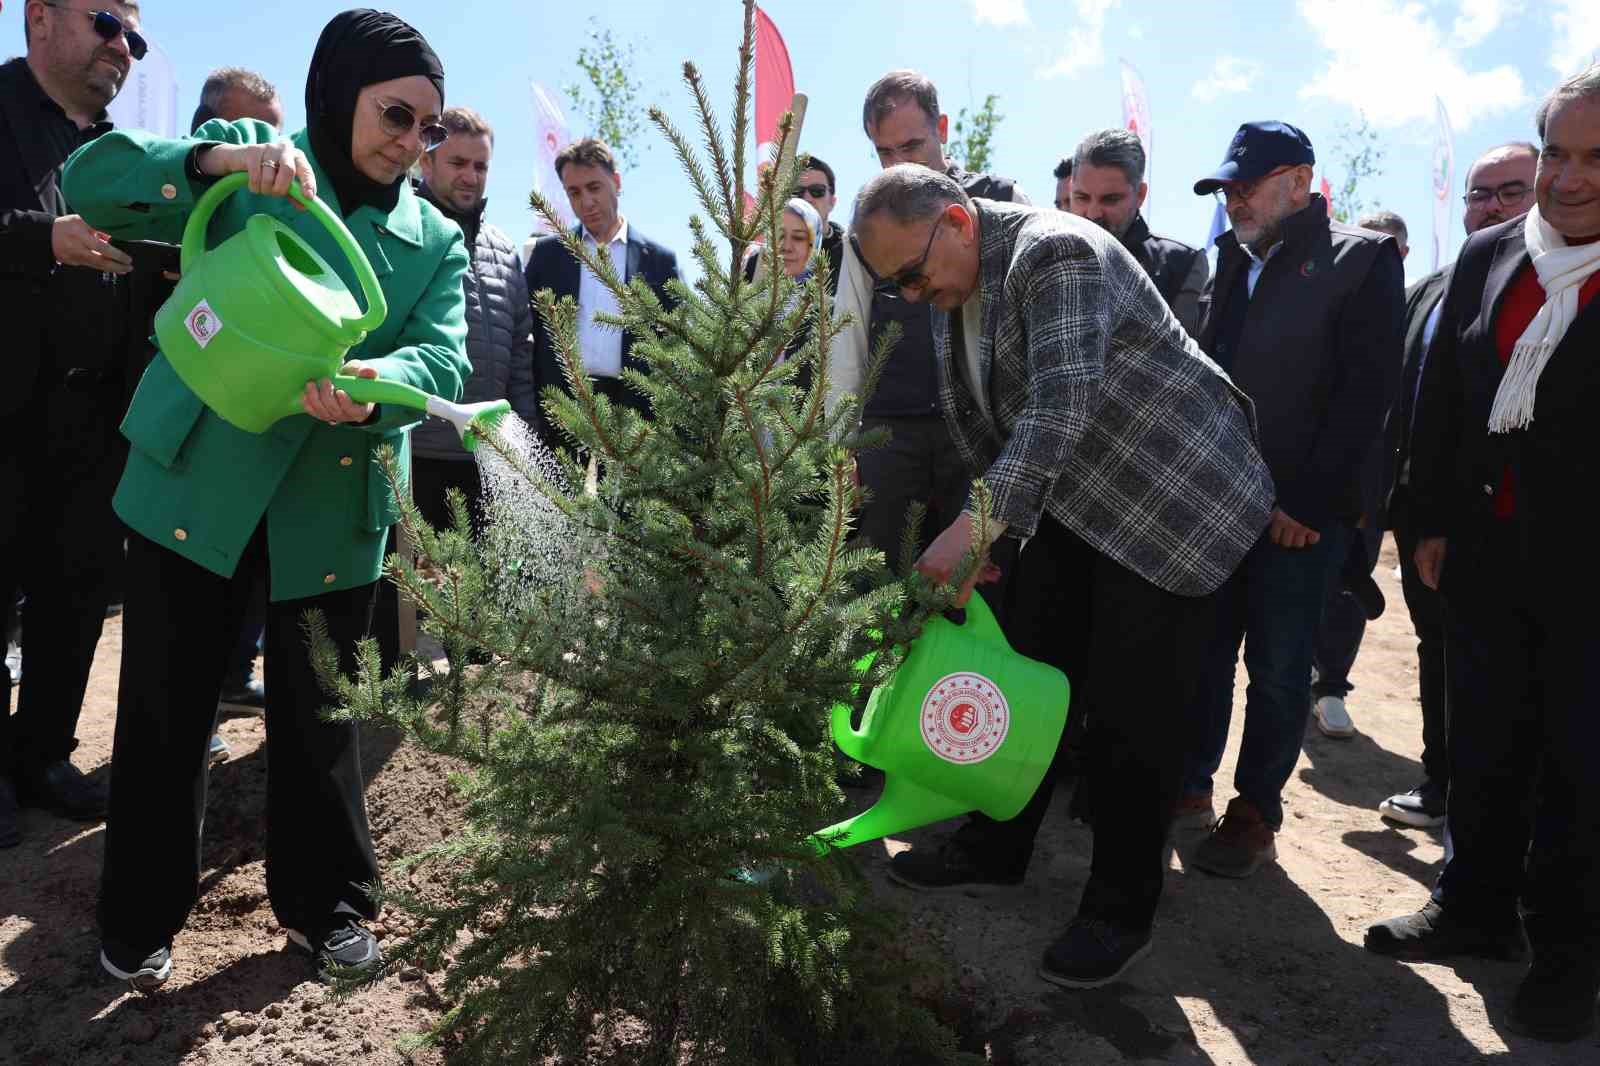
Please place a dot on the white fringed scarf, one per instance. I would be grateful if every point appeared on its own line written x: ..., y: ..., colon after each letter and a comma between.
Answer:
x: 1562, y: 271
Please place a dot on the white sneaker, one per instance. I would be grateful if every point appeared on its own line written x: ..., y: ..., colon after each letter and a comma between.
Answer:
x: 1332, y: 719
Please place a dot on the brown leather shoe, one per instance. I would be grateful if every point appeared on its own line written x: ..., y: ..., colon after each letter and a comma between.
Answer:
x: 1239, y: 845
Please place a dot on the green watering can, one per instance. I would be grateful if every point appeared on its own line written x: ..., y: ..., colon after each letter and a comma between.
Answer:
x: 255, y: 318
x: 964, y: 724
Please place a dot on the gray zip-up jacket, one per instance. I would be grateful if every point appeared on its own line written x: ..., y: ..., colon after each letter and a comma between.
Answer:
x: 499, y: 330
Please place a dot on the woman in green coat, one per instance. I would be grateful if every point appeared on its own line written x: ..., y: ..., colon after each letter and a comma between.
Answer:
x: 209, y: 505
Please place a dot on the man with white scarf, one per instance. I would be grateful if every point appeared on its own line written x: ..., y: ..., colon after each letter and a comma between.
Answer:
x: 1506, y: 460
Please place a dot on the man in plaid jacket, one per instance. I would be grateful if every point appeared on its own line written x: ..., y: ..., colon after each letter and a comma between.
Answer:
x: 1126, y: 461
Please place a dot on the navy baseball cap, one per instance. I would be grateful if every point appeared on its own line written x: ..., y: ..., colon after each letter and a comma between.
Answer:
x: 1255, y: 151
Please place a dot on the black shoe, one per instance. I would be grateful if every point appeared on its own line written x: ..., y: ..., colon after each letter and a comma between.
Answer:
x: 1093, y: 952
x: 1431, y: 934
x: 145, y: 971
x: 63, y: 789
x: 949, y: 868
x: 10, y: 831
x: 1556, y: 999
x: 340, y: 947
x: 1423, y: 807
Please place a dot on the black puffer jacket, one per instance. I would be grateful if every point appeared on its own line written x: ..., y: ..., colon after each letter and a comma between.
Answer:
x: 499, y: 329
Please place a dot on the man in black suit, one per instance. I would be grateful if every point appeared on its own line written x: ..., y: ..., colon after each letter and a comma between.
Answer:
x: 588, y: 172
x: 68, y: 317
x: 1499, y: 188
x: 1503, y: 468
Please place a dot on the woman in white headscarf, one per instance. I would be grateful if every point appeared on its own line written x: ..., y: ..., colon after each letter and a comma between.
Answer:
x: 800, y: 238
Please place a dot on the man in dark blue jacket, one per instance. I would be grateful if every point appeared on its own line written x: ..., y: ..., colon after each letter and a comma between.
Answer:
x: 588, y: 173
x: 1307, y: 316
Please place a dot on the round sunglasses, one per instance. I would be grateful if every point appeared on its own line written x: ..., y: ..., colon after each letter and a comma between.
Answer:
x: 110, y: 27
x: 397, y: 120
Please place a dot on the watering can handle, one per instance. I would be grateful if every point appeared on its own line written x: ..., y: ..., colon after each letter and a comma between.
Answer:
x: 194, y: 245
x: 381, y: 390
x: 981, y: 624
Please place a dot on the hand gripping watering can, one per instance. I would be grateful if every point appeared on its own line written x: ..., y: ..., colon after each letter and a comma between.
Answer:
x: 963, y: 724
x: 255, y: 318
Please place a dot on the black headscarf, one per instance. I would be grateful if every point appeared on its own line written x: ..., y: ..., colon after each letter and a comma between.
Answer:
x: 359, y: 48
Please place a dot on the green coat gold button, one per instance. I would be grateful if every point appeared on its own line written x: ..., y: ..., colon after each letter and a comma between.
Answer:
x: 345, y: 460
x: 327, y: 579
x: 180, y: 534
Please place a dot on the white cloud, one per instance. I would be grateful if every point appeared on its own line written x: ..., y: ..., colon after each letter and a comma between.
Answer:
x: 1392, y: 92
x: 1576, y: 31
x: 1477, y: 19
x: 1001, y: 12
x: 1084, y: 46
x: 1229, y: 74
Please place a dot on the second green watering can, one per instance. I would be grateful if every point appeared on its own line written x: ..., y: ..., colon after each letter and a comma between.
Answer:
x: 964, y: 724
x: 255, y: 318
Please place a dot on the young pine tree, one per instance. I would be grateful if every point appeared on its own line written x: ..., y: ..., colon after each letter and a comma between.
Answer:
x: 667, y: 610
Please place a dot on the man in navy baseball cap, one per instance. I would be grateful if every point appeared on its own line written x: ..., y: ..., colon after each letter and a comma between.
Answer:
x: 1257, y: 150
x: 1307, y: 315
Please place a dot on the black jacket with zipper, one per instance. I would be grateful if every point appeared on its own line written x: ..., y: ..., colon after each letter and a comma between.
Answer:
x: 1319, y: 353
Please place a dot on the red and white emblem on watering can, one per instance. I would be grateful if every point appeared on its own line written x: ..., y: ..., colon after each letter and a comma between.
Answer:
x: 965, y: 718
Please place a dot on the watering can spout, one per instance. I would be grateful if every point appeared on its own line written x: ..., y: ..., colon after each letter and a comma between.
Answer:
x: 903, y: 805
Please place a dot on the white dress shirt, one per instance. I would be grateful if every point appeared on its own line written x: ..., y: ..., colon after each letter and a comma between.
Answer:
x: 1257, y: 264
x: 601, y: 345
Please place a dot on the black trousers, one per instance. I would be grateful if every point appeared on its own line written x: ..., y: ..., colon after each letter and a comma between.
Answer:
x: 920, y: 464
x: 1427, y: 610
x: 60, y: 547
x: 1524, y: 669
x: 1131, y: 652
x: 180, y: 621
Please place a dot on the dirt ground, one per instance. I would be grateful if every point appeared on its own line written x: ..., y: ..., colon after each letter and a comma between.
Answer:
x: 1266, y: 971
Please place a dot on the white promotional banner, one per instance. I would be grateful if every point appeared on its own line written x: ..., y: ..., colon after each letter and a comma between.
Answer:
x: 550, y: 136
x: 149, y: 98
x: 1443, y: 182
x: 1136, y: 112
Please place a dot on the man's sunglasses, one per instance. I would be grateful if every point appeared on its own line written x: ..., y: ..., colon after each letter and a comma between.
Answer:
x: 398, y: 120
x: 816, y: 192
x: 110, y: 27
x: 911, y: 277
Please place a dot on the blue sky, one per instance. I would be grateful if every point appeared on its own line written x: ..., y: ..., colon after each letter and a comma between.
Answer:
x: 1316, y: 63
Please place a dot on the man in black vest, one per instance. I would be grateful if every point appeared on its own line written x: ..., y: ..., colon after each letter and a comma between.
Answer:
x: 1306, y: 315
x: 67, y: 319
x: 1108, y: 188
x: 920, y: 463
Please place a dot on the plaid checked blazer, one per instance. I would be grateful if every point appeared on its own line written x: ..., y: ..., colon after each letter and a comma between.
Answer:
x: 1102, y: 412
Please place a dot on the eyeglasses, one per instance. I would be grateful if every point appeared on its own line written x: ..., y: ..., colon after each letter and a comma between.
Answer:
x: 911, y: 277
x: 816, y: 192
x: 110, y: 27
x: 398, y: 120
x: 1510, y: 194
x: 1244, y: 190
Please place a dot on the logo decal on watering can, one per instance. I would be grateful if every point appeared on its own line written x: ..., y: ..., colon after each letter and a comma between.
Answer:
x: 203, y: 324
x: 965, y: 718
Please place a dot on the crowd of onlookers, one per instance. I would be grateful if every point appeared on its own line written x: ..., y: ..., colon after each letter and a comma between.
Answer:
x: 1186, y: 464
